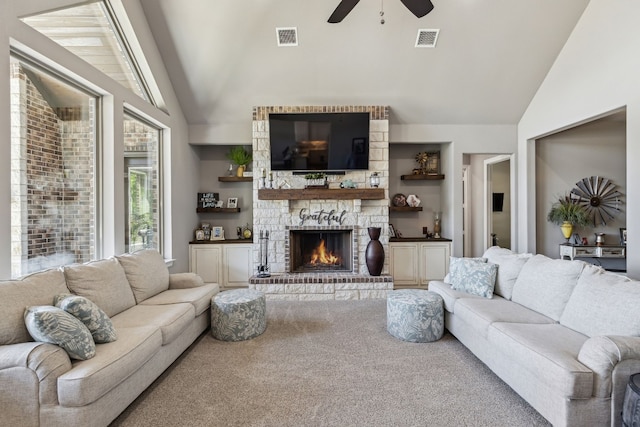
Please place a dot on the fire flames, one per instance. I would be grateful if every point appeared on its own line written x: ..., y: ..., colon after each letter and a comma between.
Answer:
x: 321, y: 256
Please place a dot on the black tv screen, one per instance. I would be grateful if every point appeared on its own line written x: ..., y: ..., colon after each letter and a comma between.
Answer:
x: 319, y: 141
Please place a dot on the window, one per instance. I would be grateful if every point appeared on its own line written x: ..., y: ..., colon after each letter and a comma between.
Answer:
x: 53, y: 146
x: 142, y: 184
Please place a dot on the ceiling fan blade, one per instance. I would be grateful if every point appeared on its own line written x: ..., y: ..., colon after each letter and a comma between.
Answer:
x: 342, y: 11
x: 418, y: 7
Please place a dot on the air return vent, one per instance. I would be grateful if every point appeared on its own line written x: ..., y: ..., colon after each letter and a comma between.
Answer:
x: 287, y: 36
x: 427, y: 38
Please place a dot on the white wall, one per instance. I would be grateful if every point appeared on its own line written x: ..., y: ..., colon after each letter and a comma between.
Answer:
x: 180, y: 159
x: 597, y: 72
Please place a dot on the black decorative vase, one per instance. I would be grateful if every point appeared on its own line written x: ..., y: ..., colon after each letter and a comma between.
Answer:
x: 374, y: 255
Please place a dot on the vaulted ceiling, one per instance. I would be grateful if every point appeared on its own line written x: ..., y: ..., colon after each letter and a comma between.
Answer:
x: 491, y: 56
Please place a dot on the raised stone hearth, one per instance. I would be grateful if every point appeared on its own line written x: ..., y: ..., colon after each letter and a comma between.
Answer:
x: 322, y: 286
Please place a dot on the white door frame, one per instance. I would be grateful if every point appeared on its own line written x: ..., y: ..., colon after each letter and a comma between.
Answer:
x: 488, y: 196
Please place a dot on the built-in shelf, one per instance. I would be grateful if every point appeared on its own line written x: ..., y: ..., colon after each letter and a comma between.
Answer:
x: 235, y: 178
x: 321, y: 193
x: 420, y: 177
x: 405, y: 208
x: 217, y: 210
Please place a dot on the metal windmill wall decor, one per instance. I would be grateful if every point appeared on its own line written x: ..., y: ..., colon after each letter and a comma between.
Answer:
x: 599, y: 197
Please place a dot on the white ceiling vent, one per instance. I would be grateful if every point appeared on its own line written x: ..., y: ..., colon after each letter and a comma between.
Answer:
x: 427, y: 38
x: 287, y: 36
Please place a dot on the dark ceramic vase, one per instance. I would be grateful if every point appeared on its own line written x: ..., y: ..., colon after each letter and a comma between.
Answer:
x: 374, y: 255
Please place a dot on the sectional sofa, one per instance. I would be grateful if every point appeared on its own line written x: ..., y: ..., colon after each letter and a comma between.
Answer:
x: 565, y: 335
x: 156, y: 316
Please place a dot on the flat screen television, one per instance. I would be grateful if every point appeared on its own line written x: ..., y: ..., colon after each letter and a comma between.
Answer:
x: 303, y: 142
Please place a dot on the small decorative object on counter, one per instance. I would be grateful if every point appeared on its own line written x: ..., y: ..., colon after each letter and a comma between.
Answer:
x: 199, y: 234
x: 347, y: 183
x: 217, y: 233
x: 413, y: 201
x: 206, y: 228
x: 436, y: 224
x: 374, y: 180
x: 247, y: 233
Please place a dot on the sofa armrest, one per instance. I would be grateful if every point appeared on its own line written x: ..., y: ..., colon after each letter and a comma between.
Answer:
x: 602, y: 354
x: 184, y: 281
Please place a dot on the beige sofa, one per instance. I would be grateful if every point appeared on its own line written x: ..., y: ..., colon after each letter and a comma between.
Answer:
x: 565, y: 335
x: 156, y: 316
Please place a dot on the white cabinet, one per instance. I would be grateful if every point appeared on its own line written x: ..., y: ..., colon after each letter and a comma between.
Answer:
x: 414, y: 264
x: 229, y: 265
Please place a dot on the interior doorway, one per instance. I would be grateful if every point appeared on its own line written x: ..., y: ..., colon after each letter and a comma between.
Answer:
x: 498, y: 198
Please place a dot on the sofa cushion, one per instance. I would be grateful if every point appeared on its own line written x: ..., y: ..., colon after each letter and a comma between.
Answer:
x: 15, y: 295
x: 53, y: 325
x: 103, y: 282
x: 91, y: 379
x: 603, y: 303
x: 481, y: 313
x: 147, y: 273
x: 545, y: 284
x: 473, y: 276
x: 509, y: 266
x: 171, y: 319
x: 91, y: 315
x: 199, y: 297
x: 549, y: 352
x: 449, y: 296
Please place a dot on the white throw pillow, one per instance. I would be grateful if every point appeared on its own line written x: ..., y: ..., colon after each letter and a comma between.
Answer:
x: 510, y: 264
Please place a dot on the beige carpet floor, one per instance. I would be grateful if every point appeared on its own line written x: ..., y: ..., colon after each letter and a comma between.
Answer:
x: 328, y: 363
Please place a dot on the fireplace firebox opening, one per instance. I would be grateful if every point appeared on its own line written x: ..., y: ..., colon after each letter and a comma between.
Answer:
x: 321, y: 251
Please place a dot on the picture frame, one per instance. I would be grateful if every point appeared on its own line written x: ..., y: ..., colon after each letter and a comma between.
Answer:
x: 232, y: 202
x: 208, y: 200
x: 392, y: 231
x: 219, y: 204
x: 623, y: 236
x: 217, y: 233
x: 199, y: 234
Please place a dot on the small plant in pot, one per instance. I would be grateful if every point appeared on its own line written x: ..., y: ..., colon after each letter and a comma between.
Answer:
x: 316, y: 180
x: 240, y: 157
x: 567, y: 213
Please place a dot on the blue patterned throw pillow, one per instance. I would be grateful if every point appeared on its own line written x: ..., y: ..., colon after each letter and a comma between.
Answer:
x: 53, y: 325
x: 473, y: 275
x: 91, y: 315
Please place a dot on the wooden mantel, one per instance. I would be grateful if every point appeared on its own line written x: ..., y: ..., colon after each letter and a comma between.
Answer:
x: 321, y: 193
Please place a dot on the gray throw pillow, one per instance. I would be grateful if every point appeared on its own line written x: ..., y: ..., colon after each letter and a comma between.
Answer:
x: 53, y: 325
x: 91, y: 315
x: 473, y: 276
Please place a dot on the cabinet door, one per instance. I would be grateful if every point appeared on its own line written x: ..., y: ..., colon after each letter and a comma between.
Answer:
x: 237, y: 265
x: 206, y: 261
x: 404, y: 263
x: 434, y: 261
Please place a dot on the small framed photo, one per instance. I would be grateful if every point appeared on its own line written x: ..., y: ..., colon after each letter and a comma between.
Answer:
x: 217, y: 233
x: 623, y: 236
x: 199, y: 234
x: 232, y: 202
x: 219, y: 204
x: 392, y: 231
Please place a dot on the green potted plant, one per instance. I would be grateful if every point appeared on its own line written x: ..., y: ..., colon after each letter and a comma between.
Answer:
x: 241, y: 157
x: 316, y: 180
x: 567, y: 213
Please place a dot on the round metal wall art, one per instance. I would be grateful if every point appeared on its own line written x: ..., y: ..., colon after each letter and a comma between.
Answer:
x: 599, y: 197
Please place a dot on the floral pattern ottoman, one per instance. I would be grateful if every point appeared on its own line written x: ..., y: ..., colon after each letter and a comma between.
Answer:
x: 238, y: 315
x: 415, y: 315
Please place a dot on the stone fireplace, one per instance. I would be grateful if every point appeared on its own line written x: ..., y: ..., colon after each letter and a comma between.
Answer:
x: 305, y: 229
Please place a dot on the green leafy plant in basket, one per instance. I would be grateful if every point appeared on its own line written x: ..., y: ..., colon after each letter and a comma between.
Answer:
x: 567, y: 213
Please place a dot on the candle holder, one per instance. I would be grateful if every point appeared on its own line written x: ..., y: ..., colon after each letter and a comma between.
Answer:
x: 436, y: 224
x: 374, y: 180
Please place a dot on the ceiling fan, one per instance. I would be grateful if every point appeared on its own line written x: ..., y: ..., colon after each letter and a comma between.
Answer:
x: 418, y: 7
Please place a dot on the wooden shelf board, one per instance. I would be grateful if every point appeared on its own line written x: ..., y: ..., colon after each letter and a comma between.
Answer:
x: 235, y: 178
x: 419, y: 177
x: 217, y: 210
x: 405, y: 208
x: 321, y: 193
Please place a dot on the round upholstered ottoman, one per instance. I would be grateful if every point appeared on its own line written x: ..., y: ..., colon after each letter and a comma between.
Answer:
x: 238, y: 315
x: 415, y: 315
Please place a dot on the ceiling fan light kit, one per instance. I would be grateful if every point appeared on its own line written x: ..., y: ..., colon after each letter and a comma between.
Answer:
x: 419, y: 8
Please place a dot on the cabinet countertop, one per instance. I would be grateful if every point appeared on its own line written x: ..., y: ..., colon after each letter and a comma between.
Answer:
x: 218, y: 242
x: 417, y: 239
